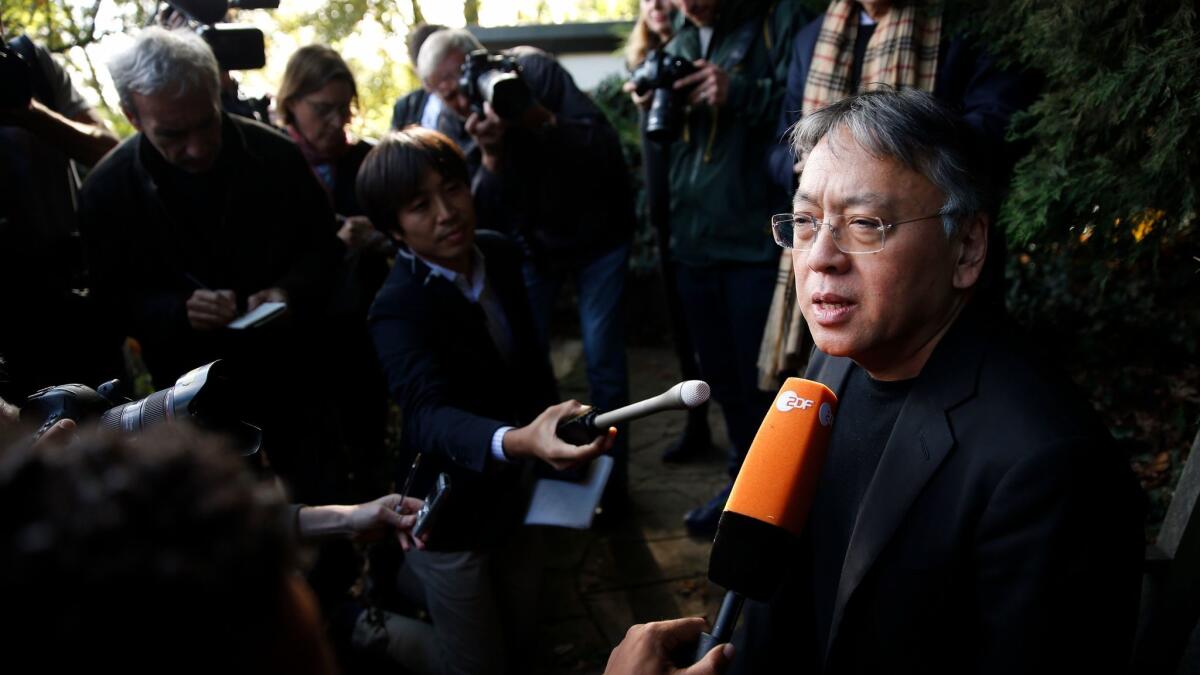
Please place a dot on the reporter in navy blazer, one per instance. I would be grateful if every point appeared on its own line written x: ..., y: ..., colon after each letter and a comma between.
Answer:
x: 455, y: 335
x: 456, y: 389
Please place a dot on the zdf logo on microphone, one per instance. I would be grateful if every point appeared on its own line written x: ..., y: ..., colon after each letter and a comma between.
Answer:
x: 790, y: 400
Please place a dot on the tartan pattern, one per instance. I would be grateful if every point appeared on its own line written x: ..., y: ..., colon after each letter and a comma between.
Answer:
x: 903, y: 54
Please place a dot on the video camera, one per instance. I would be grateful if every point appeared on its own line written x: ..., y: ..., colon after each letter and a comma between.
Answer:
x: 496, y: 79
x: 658, y: 73
x: 203, y: 396
x: 236, y: 47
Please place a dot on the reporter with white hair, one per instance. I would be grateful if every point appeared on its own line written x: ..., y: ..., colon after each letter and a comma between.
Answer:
x: 200, y: 217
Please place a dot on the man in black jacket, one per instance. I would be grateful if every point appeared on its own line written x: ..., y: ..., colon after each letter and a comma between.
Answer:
x: 555, y: 179
x: 453, y: 330
x: 972, y: 515
x: 203, y: 216
x: 420, y: 106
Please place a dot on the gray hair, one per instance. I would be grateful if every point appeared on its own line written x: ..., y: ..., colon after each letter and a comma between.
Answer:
x: 174, y: 62
x: 913, y: 128
x: 441, y: 43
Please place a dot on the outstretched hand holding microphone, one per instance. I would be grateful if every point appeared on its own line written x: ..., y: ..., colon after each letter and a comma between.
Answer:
x: 539, y: 440
x: 569, y: 434
x: 768, y: 506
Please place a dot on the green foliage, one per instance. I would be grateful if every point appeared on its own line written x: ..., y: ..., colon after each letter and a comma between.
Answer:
x: 1117, y: 130
x: 378, y: 90
x: 61, y: 26
x: 1105, y: 265
x: 341, y: 22
x: 1121, y: 315
x: 622, y: 114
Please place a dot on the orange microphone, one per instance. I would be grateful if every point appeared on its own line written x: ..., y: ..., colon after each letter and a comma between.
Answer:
x: 770, y: 500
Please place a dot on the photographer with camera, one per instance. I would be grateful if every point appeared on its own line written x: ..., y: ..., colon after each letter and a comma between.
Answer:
x: 368, y: 521
x: 547, y: 169
x: 203, y: 216
x: 654, y: 28
x: 48, y: 134
x: 717, y: 88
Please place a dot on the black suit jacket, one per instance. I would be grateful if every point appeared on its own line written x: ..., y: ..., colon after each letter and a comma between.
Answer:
x: 456, y: 390
x: 1001, y: 532
x: 148, y: 246
x: 408, y: 108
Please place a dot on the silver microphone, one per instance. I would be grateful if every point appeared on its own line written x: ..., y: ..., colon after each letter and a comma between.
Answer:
x: 682, y: 396
x: 586, y: 426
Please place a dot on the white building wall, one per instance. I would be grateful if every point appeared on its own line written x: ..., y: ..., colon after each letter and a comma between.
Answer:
x: 589, y: 69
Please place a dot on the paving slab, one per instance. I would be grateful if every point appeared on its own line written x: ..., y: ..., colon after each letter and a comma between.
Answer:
x: 598, y: 583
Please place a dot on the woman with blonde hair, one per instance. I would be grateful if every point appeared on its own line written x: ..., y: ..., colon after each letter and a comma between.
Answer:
x: 652, y: 30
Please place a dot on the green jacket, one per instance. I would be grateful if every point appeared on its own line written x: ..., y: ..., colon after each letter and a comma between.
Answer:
x: 722, y: 198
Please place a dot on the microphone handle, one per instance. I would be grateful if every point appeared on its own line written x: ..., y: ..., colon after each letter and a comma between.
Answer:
x: 587, y: 426
x: 667, y: 400
x: 580, y: 429
x: 727, y: 618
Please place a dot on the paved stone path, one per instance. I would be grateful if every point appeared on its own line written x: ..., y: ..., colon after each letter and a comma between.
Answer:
x: 598, y: 583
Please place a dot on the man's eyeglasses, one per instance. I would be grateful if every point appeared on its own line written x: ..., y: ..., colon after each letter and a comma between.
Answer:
x: 851, y: 233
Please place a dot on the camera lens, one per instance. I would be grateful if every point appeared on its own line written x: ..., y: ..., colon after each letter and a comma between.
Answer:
x: 136, y: 416
x: 663, y: 120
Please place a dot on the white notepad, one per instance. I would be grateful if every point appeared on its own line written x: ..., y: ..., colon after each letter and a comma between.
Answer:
x: 258, y: 316
x: 570, y: 504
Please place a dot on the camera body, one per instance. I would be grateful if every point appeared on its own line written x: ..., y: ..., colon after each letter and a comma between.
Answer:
x: 203, y: 396
x: 658, y: 74
x: 496, y: 79
x: 16, y: 81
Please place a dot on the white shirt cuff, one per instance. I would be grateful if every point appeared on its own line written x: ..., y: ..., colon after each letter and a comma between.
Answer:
x: 498, y: 444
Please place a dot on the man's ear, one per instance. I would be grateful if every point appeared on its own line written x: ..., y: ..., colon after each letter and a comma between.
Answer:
x: 131, y: 115
x: 971, y: 250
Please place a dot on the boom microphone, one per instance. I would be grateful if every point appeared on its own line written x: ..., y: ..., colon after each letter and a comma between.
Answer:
x: 590, y: 424
x: 770, y: 501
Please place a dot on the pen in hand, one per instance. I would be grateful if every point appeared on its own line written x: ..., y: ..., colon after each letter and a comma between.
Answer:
x: 196, y: 282
x: 408, y: 481
x: 208, y: 309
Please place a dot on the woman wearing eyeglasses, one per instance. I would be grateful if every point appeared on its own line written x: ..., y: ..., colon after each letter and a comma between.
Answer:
x: 316, y: 101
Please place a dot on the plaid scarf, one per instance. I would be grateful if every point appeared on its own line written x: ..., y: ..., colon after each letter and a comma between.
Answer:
x: 902, y: 53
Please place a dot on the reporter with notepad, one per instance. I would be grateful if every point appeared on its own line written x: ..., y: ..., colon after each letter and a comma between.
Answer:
x: 201, y: 217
